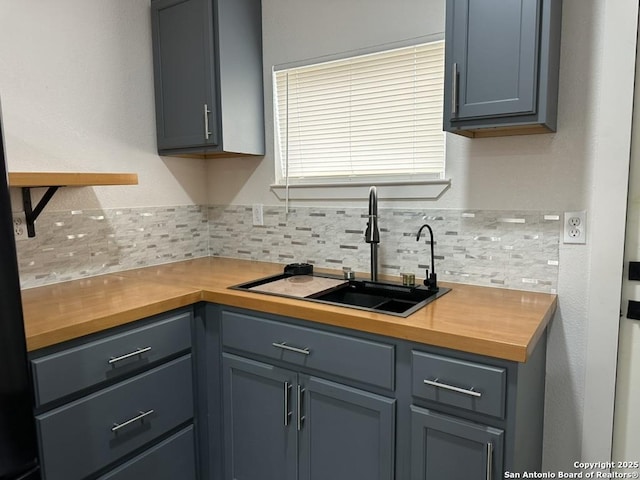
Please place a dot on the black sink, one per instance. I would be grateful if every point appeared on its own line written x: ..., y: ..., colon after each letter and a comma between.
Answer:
x: 380, y: 297
x: 388, y: 298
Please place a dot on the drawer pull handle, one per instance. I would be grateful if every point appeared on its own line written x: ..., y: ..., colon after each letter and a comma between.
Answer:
x: 454, y: 90
x: 470, y: 391
x: 138, y: 351
x: 301, y: 418
x: 284, y: 346
x: 207, y: 132
x: 287, y: 395
x: 489, y: 473
x: 118, y: 426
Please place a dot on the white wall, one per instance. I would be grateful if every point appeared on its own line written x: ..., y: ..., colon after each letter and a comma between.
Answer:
x: 626, y: 443
x: 76, y: 85
x: 613, y: 70
x: 583, y: 166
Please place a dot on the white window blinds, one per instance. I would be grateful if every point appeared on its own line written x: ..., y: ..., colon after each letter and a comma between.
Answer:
x: 376, y: 114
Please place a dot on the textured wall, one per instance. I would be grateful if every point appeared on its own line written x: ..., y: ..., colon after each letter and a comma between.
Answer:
x: 76, y: 84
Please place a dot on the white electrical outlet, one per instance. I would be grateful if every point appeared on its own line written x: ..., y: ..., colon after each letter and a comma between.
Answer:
x: 575, y: 227
x: 258, y: 218
x: 19, y: 226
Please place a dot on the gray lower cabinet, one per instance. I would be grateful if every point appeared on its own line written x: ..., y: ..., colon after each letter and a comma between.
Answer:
x: 171, y: 459
x: 119, y: 404
x: 501, y: 66
x: 283, y: 425
x: 473, y: 417
x: 308, y: 401
x: 444, y: 446
x: 207, y: 59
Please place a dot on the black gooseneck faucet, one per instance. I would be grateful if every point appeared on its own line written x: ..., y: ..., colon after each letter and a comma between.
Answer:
x: 431, y: 279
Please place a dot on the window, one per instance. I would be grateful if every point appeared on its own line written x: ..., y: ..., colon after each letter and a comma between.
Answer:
x: 374, y: 116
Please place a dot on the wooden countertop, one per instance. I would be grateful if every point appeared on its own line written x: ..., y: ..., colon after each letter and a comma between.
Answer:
x: 488, y: 321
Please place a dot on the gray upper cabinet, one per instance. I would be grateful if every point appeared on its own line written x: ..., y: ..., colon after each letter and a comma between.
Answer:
x: 207, y: 59
x: 501, y: 66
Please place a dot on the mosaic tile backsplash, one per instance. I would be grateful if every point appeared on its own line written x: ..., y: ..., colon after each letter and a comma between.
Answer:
x: 83, y: 243
x: 507, y: 249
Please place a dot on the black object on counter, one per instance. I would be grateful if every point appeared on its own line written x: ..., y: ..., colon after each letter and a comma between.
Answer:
x: 298, y: 269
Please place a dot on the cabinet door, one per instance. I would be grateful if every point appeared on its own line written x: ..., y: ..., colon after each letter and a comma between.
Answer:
x: 346, y: 433
x: 183, y: 46
x: 259, y: 420
x: 491, y: 57
x: 447, y: 447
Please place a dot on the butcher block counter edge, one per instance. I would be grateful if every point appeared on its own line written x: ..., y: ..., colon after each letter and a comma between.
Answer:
x: 495, y: 322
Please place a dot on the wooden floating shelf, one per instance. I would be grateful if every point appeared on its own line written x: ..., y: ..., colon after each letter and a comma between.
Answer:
x: 72, y: 179
x: 52, y: 181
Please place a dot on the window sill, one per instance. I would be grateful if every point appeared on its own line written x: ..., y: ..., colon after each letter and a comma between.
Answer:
x: 415, y: 190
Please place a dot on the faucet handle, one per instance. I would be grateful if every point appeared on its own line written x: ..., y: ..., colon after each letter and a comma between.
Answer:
x: 430, y: 280
x: 348, y: 273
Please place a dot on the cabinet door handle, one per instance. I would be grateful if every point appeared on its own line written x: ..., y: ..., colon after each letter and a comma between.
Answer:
x: 489, y: 461
x: 454, y: 89
x: 287, y: 396
x: 438, y: 384
x: 207, y: 133
x: 138, y: 351
x: 300, y: 418
x: 140, y: 417
x: 284, y: 346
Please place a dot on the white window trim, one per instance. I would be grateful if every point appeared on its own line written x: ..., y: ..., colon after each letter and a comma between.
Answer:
x: 415, y: 190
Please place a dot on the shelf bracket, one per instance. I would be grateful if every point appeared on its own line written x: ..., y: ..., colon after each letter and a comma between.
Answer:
x: 30, y: 213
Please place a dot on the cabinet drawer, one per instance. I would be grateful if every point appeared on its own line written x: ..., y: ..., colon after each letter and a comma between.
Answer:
x: 170, y: 459
x: 88, y: 434
x: 91, y: 363
x: 348, y: 357
x: 472, y: 386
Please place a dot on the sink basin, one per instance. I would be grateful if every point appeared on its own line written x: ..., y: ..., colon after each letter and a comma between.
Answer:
x: 380, y: 297
x: 388, y: 298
